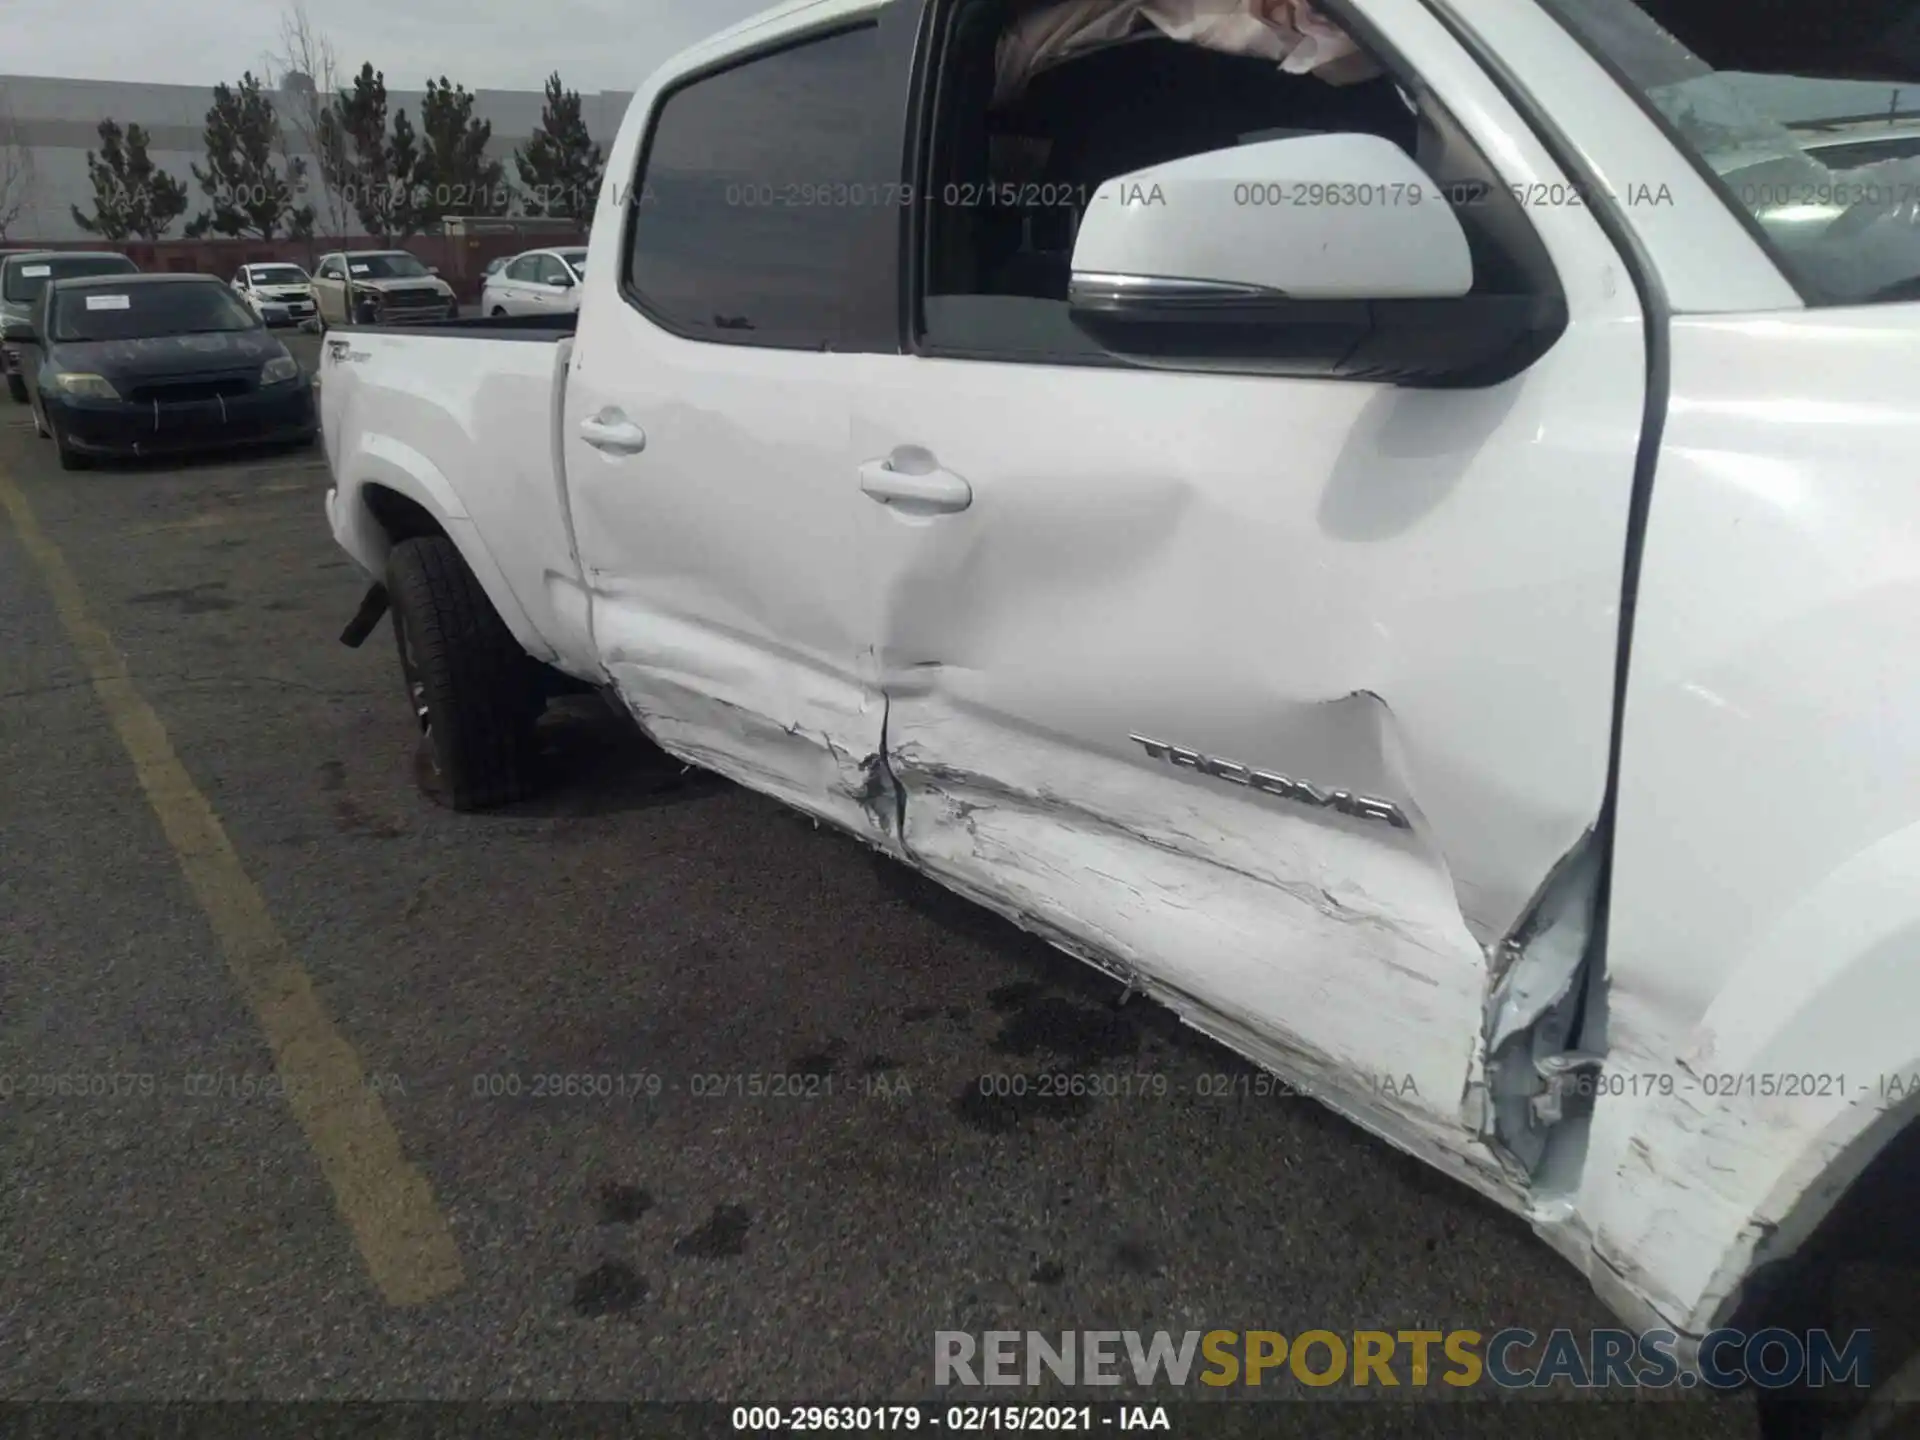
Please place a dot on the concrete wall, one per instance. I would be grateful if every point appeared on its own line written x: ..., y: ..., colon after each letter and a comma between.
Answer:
x: 58, y: 120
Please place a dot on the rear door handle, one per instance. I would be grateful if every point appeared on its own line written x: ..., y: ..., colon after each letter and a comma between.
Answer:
x: 911, y: 480
x: 613, y: 433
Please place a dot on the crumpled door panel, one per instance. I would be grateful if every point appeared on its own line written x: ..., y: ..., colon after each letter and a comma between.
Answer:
x: 1404, y: 598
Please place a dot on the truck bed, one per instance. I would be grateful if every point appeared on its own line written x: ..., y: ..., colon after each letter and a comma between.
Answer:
x: 463, y: 439
x: 535, y: 328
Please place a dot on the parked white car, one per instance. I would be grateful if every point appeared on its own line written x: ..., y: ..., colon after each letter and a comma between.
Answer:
x: 280, y: 292
x: 1433, y: 598
x: 538, y: 282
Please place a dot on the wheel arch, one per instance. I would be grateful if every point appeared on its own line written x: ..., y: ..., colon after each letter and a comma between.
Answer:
x: 393, y: 501
x: 1797, y: 1089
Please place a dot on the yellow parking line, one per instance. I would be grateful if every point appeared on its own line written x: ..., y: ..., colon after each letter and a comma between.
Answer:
x: 385, y: 1201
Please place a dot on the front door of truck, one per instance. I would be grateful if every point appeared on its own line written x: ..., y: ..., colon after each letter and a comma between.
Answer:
x: 1281, y: 696
x: 706, y: 425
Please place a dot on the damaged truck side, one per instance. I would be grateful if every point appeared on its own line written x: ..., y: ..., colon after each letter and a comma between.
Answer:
x: 1384, y: 530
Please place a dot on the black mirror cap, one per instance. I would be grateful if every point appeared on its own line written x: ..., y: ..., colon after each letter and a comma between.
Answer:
x: 1465, y: 342
x: 18, y: 332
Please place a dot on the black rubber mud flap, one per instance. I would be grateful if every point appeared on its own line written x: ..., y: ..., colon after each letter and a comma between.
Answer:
x: 369, y: 615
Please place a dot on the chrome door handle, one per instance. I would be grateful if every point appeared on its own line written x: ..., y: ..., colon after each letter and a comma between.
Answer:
x: 613, y: 434
x: 922, y: 489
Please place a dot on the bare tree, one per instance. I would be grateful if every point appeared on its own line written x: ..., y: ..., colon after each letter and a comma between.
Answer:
x: 305, y: 76
x: 19, y: 181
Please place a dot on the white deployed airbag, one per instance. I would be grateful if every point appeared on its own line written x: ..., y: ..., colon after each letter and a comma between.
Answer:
x: 1291, y: 33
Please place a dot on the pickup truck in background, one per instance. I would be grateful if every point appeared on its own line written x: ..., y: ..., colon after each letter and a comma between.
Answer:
x: 1419, y: 574
x: 387, y: 287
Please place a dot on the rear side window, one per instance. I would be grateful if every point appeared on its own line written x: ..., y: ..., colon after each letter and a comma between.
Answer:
x: 765, y: 190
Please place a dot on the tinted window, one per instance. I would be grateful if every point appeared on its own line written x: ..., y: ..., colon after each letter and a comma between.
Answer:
x: 577, y: 259
x: 552, y: 272
x: 21, y: 286
x: 760, y: 190
x: 524, y: 268
x: 100, y: 312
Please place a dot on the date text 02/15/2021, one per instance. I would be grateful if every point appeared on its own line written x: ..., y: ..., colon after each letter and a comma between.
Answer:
x: 955, y: 1419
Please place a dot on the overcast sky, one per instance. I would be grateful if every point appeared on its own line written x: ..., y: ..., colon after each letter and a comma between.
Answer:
x: 482, y: 44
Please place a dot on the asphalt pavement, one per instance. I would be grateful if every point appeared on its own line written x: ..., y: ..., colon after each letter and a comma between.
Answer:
x: 660, y: 1226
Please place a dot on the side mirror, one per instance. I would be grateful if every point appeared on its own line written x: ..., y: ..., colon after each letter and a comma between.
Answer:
x: 433, y: 269
x: 1328, y: 255
x: 565, y: 282
x: 19, y: 332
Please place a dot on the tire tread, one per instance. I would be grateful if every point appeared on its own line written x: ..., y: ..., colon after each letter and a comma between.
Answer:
x: 479, y: 696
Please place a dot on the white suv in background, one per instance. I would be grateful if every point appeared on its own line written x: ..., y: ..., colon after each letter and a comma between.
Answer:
x: 539, y: 282
x: 279, y: 293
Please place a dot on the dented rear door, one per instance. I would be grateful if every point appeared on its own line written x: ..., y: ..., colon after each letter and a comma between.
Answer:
x: 1280, y: 698
x: 705, y: 429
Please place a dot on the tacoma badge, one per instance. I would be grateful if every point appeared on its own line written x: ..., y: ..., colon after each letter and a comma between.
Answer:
x: 1361, y: 807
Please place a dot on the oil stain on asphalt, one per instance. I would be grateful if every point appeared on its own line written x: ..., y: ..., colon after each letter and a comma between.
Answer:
x: 724, y: 1235
x: 820, y: 1063
x: 193, y: 600
x: 611, y: 1288
x: 349, y: 818
x: 623, y: 1204
x: 1067, y: 1035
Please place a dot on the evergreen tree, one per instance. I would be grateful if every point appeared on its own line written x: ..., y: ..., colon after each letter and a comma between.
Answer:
x: 250, y: 194
x: 454, y: 175
x: 403, y: 163
x: 132, y: 197
x: 372, y: 168
x: 560, y: 165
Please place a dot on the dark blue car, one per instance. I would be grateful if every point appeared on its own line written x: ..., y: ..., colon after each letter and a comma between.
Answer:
x: 139, y: 365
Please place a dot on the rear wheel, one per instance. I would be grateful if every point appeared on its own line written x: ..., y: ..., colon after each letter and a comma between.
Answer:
x: 1860, y: 1272
x: 475, y: 693
x: 497, y: 311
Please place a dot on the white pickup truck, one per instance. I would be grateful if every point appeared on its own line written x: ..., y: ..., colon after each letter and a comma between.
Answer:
x: 1409, y: 554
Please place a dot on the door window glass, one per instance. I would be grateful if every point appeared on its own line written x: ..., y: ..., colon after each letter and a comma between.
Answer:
x: 759, y: 183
